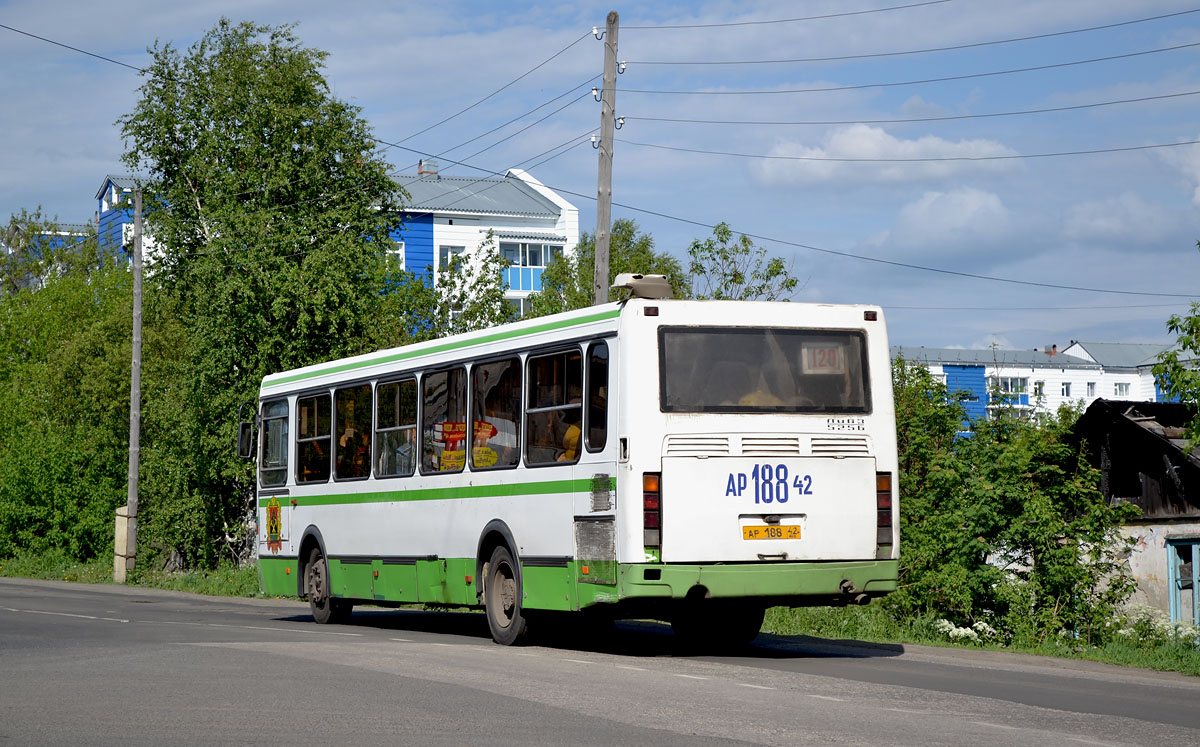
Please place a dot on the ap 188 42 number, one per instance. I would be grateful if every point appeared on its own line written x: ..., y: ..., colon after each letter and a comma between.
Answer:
x: 770, y: 484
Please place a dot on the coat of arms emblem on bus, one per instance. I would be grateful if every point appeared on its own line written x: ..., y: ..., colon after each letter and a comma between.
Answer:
x: 274, y: 525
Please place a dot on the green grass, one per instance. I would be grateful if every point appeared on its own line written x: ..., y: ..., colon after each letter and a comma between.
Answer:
x: 57, y: 566
x: 874, y: 624
x: 226, y: 580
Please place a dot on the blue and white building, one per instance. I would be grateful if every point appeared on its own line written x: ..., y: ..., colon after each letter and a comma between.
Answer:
x: 444, y: 216
x: 452, y: 215
x: 1041, y: 380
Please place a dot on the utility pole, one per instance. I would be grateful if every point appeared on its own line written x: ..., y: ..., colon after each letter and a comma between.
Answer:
x: 608, y: 101
x: 125, y: 539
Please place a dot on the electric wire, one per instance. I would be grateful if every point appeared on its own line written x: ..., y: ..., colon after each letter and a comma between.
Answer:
x: 931, y: 159
x: 498, y: 90
x: 851, y: 255
x: 945, y: 118
x: 783, y: 20
x: 894, y: 84
x: 139, y: 70
x: 875, y: 55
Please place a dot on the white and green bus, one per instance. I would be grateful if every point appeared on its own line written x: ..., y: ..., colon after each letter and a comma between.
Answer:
x: 689, y: 461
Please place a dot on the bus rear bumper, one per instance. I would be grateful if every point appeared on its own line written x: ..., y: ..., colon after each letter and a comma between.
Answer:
x: 782, y: 584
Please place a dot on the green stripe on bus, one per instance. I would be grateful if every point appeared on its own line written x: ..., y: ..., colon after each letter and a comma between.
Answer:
x: 450, y: 493
x: 444, y: 347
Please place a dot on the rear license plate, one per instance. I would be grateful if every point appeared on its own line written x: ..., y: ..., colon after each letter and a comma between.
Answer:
x: 762, y: 532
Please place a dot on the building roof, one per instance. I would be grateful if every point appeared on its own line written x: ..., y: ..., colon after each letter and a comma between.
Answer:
x: 460, y: 194
x: 122, y: 182
x: 1123, y: 354
x: 73, y: 228
x: 985, y: 357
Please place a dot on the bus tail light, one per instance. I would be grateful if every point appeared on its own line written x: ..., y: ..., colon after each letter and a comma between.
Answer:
x: 883, y: 512
x: 651, y: 512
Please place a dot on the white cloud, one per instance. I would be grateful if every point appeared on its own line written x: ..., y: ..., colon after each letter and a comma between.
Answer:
x: 1187, y: 159
x: 965, y: 217
x: 865, y: 142
x: 1126, y: 217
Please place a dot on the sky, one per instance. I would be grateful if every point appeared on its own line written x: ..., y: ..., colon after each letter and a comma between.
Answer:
x: 1022, y: 250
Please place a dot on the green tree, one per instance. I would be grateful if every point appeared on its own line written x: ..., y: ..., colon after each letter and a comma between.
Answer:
x: 1006, y: 525
x: 470, y: 292
x: 271, y: 214
x: 64, y: 392
x: 1178, y: 369
x: 567, y: 281
x: 726, y: 268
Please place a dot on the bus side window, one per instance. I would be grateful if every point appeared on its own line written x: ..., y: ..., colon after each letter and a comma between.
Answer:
x: 597, y: 396
x: 554, y: 408
x: 312, y: 438
x: 274, y: 449
x: 353, y: 444
x: 496, y: 401
x: 396, y: 428
x: 444, y: 421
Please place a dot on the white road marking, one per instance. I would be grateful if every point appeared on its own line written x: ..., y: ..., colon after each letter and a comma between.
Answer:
x: 636, y: 669
x: 402, y: 640
x: 443, y: 644
x: 66, y: 614
x: 578, y: 661
x: 998, y: 726
x: 303, y: 631
x: 836, y: 700
x: 756, y: 687
x: 691, y: 677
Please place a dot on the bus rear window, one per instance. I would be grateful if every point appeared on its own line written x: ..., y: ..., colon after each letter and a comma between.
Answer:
x: 722, y: 369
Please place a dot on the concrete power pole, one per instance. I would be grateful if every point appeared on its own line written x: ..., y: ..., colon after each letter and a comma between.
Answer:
x: 608, y: 101
x: 125, y: 540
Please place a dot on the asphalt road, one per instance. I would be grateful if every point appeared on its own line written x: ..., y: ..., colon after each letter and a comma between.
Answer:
x: 99, y: 665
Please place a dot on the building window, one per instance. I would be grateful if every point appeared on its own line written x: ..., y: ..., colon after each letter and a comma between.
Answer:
x: 1121, y: 389
x: 1066, y: 389
x: 1091, y: 389
x: 396, y: 256
x: 1039, y: 389
x: 1009, y: 384
x: 526, y: 254
x: 446, y: 252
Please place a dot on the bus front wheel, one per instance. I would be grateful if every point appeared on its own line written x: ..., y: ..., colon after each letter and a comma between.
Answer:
x: 325, y: 608
x: 502, y: 598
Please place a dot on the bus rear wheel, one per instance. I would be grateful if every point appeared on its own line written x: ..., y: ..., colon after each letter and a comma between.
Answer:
x: 325, y: 608
x: 502, y: 598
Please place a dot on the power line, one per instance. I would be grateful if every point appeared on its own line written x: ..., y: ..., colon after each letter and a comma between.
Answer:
x: 1038, y: 308
x: 498, y: 90
x: 785, y: 20
x: 912, y: 160
x: 879, y: 260
x: 916, y: 82
x: 139, y: 70
x: 577, y: 140
x: 849, y: 255
x: 522, y: 116
x: 917, y: 119
x: 842, y: 58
